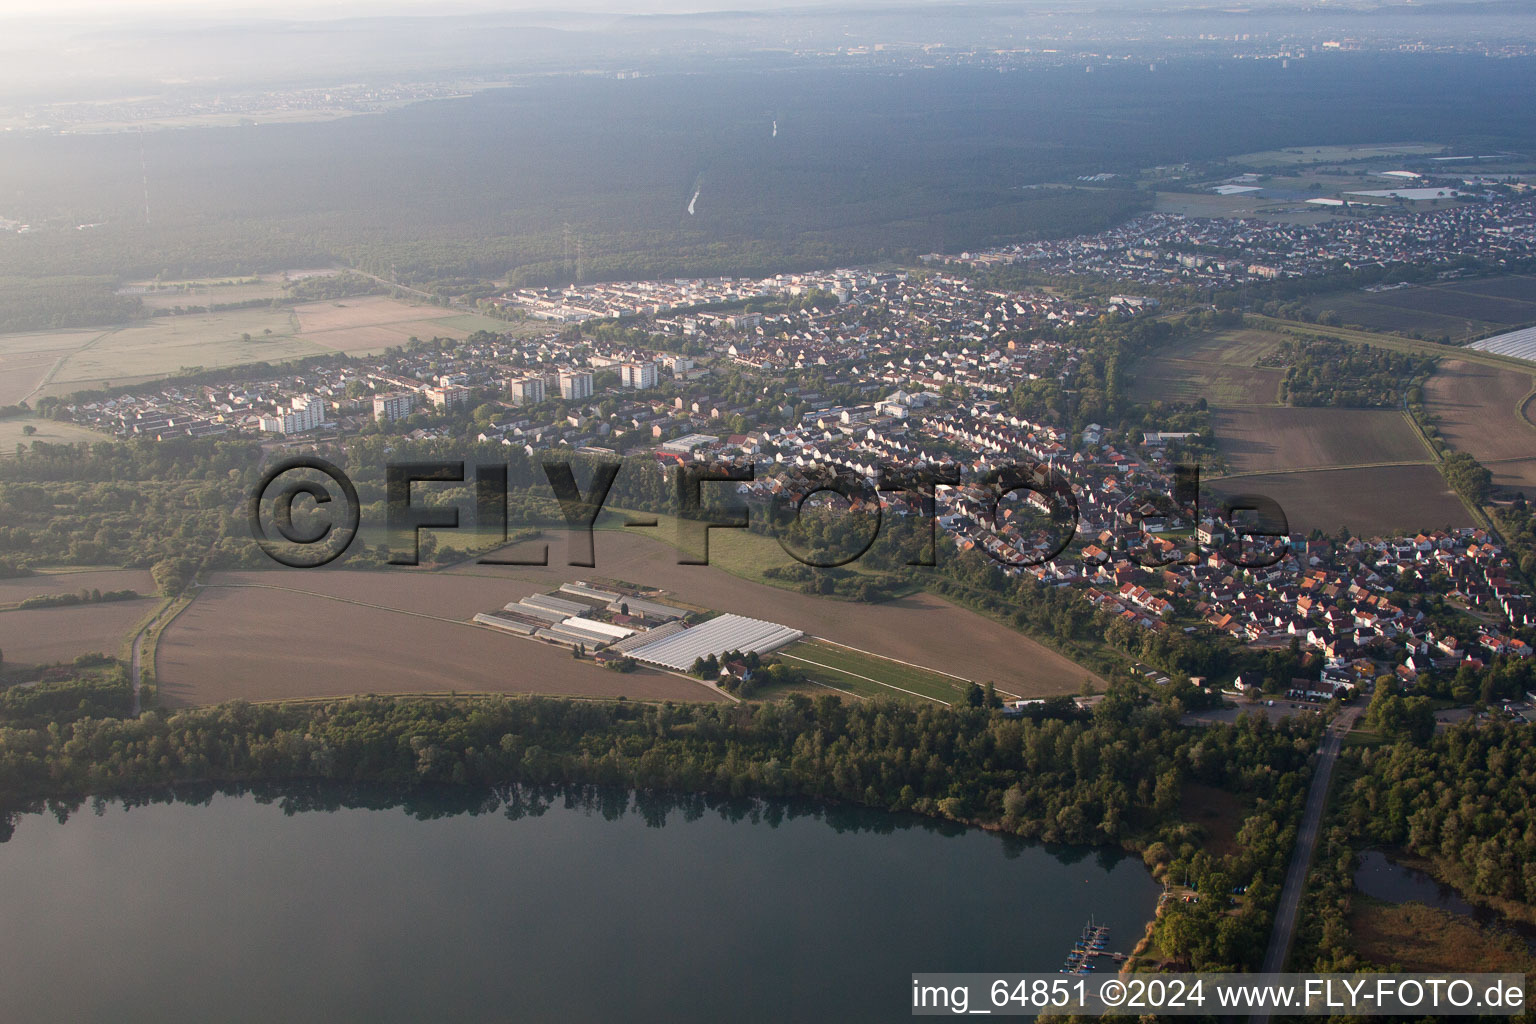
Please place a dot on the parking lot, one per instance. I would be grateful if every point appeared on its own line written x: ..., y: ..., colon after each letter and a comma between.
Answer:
x: 1275, y: 710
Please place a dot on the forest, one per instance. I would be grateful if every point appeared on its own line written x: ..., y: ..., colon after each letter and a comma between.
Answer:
x: 1330, y: 372
x: 47, y: 303
x: 1461, y: 799
x: 1456, y: 803
x: 567, y: 177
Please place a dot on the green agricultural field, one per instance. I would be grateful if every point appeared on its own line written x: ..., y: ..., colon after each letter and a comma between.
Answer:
x: 209, y: 291
x: 1217, y: 366
x: 372, y: 323
x: 1182, y: 380
x: 869, y: 675
x: 1239, y: 346
x: 165, y: 345
x: 1458, y: 310
x: 469, y: 323
x: 1283, y: 439
x: 1370, y: 501
x: 61, y: 363
x: 1200, y: 204
x: 28, y: 361
x: 13, y: 432
x: 1355, y: 309
x: 1392, y: 341
x: 738, y: 552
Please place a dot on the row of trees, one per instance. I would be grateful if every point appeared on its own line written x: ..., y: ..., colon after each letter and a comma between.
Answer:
x: 1114, y: 777
x: 1471, y: 479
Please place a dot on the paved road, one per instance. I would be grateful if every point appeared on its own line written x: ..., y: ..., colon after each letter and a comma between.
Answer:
x: 1306, y: 842
x: 138, y: 644
x: 137, y: 672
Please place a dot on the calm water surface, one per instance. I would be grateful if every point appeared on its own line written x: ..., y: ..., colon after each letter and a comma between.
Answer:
x: 237, y: 909
x: 1382, y: 878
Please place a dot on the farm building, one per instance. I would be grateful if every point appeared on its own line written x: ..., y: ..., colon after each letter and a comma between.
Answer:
x: 1517, y: 344
x: 617, y: 602
x: 647, y: 609
x: 720, y: 634
x: 587, y: 592
x: 496, y: 620
x: 557, y: 604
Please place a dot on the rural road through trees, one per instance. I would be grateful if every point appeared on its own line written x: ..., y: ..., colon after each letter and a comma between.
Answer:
x: 136, y: 672
x: 1306, y: 841
x: 138, y: 645
x: 427, y: 296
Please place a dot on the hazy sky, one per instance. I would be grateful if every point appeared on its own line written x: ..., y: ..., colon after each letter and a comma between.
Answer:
x: 127, y: 9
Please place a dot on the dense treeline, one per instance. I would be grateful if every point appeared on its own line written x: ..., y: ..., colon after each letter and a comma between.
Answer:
x: 130, y: 504
x: 91, y: 596
x: 1518, y: 525
x: 42, y: 304
x: 1330, y: 372
x: 333, y: 286
x: 1074, y: 782
x: 864, y: 164
x: 1461, y: 799
x: 1458, y: 803
x: 230, y: 244
x: 1470, y: 478
x: 96, y: 687
x: 1115, y: 777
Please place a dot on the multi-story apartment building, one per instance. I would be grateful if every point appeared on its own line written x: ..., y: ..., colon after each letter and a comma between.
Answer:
x: 449, y: 398
x: 638, y: 376
x: 394, y: 406
x: 305, y: 413
x: 576, y: 385
x: 527, y: 390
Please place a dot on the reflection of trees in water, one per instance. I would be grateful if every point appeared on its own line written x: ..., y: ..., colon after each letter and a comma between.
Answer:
x: 516, y: 801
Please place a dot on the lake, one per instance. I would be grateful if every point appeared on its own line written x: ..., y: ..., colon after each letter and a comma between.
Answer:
x: 516, y: 907
x: 1382, y: 878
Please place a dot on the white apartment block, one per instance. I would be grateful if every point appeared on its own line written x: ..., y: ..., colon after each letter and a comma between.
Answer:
x: 527, y: 390
x: 306, y: 413
x: 638, y: 376
x: 576, y: 385
x: 449, y: 398
x: 395, y: 406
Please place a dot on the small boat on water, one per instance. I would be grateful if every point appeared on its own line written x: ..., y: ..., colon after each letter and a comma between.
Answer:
x: 1091, y: 943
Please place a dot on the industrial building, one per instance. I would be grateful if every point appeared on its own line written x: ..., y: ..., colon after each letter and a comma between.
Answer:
x: 577, y: 617
x: 720, y: 634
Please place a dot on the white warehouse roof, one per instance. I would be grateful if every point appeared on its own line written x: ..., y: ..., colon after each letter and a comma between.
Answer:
x: 594, y: 626
x: 1519, y: 344
x: 720, y: 634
